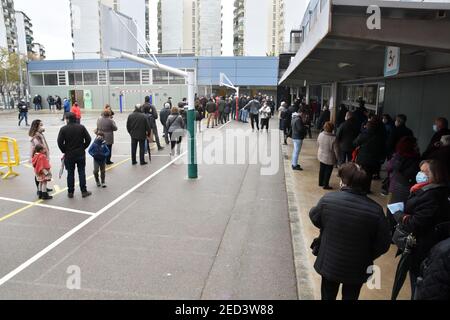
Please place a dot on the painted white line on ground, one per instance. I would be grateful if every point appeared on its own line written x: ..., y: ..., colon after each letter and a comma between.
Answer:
x: 56, y: 243
x: 53, y: 245
x: 47, y: 206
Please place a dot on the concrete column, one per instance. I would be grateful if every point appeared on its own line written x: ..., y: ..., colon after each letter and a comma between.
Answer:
x: 307, y: 94
x: 333, y: 102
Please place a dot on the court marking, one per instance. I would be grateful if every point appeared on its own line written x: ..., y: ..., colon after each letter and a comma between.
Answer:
x: 57, y: 192
x: 67, y: 235
x: 53, y: 245
x: 47, y: 206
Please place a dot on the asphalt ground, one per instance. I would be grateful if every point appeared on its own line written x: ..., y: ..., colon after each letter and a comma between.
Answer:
x: 152, y: 233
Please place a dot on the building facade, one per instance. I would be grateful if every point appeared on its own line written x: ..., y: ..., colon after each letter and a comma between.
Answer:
x: 275, y: 27
x: 24, y: 34
x: 95, y: 82
x: 190, y: 27
x: 262, y: 22
x: 95, y: 28
x: 8, y: 35
x: 38, y: 51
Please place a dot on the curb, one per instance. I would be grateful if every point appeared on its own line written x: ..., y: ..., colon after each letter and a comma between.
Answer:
x: 303, y: 269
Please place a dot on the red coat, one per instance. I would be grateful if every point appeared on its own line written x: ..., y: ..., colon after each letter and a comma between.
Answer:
x: 76, y: 111
x: 40, y: 162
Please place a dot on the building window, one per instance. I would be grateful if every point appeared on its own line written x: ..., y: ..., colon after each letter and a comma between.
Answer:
x: 62, y: 80
x: 174, y: 79
x: 117, y: 77
x: 50, y: 79
x: 36, y: 79
x: 132, y: 77
x: 90, y: 78
x: 75, y: 78
x: 102, y: 77
x: 160, y: 77
x: 145, y: 74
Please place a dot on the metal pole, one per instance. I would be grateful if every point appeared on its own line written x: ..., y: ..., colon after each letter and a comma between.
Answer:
x: 192, y: 154
x: 237, y: 104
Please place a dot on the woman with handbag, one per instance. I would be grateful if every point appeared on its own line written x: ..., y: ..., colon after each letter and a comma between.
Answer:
x: 354, y: 232
x: 426, y: 208
x: 402, y: 169
x: 175, y: 128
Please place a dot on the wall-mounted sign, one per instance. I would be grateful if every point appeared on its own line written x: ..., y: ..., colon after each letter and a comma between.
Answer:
x: 392, y: 61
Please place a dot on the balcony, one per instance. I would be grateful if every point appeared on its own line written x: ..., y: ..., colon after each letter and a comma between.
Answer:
x: 289, y: 47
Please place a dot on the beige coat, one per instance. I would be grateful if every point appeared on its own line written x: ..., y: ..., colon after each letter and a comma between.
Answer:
x: 39, y: 138
x: 328, y: 152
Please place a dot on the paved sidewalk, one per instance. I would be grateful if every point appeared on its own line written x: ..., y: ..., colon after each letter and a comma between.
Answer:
x: 223, y: 236
x: 306, y: 195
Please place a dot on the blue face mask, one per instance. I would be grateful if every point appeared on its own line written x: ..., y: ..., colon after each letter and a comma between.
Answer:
x: 421, y: 177
x: 435, y: 128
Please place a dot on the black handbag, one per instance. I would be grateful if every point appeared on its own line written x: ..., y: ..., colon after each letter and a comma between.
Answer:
x: 402, y: 239
x: 315, y: 246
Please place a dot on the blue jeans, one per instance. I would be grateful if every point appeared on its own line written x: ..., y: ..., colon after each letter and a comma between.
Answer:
x: 244, y: 115
x: 70, y: 164
x: 297, y: 148
x: 23, y: 115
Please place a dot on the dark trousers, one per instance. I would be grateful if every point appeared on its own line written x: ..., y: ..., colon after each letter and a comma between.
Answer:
x: 108, y: 158
x: 344, y: 157
x: 154, y: 129
x: 99, y: 166
x: 330, y: 289
x: 370, y: 171
x: 175, y: 140
x: 70, y: 164
x: 221, y: 118
x: 265, y: 124
x: 325, y: 174
x: 166, y: 135
x: 254, y: 118
x: 134, y: 144
x: 23, y: 115
x: 308, y: 129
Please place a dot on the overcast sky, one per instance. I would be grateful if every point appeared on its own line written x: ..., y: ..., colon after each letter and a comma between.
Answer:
x: 51, y: 24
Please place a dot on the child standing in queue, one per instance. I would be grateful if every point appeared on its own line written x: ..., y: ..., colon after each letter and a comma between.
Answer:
x: 42, y: 171
x: 100, y: 152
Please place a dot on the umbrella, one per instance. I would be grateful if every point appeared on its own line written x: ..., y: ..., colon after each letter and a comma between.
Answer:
x: 403, y: 267
x: 61, y: 171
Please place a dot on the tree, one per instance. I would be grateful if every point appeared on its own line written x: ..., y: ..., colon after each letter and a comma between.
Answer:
x: 9, y: 75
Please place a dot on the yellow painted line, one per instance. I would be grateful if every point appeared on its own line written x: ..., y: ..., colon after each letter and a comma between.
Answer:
x: 92, y: 176
x: 12, y: 214
x: 27, y: 165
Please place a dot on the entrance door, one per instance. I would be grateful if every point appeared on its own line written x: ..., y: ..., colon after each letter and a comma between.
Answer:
x: 77, y: 96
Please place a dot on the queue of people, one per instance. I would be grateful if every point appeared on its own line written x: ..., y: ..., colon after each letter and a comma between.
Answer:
x: 355, y: 230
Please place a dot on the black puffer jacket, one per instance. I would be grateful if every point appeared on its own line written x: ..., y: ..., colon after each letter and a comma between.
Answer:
x: 137, y: 125
x: 346, y: 134
x: 372, y: 148
x: 354, y: 232
x: 434, y: 283
x: 426, y: 208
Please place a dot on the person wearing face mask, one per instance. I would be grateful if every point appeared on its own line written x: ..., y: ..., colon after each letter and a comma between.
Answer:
x: 399, y: 131
x: 426, y: 208
x: 36, y: 133
x: 442, y: 153
x: 353, y: 233
x: 440, y: 129
x: 402, y: 169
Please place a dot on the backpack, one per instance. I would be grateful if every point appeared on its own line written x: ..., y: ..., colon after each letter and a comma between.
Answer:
x: 96, y: 151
